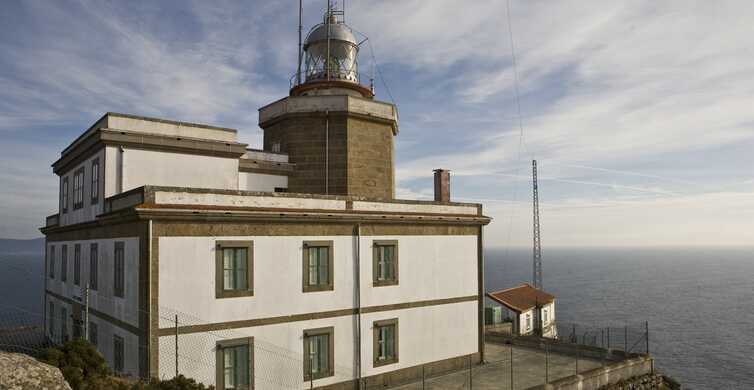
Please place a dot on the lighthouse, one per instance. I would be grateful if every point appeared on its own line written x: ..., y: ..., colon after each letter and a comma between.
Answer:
x: 340, y: 138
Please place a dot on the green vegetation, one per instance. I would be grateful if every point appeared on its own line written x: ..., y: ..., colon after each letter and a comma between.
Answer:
x: 84, y: 368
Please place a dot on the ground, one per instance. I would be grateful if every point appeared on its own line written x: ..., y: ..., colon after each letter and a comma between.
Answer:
x: 529, y: 369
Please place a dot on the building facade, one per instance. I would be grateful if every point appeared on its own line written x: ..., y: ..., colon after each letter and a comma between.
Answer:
x: 177, y: 249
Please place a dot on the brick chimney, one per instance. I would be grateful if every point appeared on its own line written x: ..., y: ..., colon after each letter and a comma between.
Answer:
x: 442, y: 185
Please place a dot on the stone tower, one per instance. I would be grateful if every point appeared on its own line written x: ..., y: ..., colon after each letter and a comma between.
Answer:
x: 339, y: 138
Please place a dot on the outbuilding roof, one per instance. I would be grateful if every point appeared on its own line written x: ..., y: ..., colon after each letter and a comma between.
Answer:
x: 521, y: 298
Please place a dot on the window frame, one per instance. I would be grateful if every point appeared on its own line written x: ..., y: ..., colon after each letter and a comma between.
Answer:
x: 94, y: 182
x: 93, y: 331
x: 376, y: 362
x: 220, y: 361
x: 64, y: 324
x: 51, y: 263
x: 51, y: 314
x: 94, y: 266
x: 77, y: 264
x: 64, y: 194
x: 376, y: 281
x: 119, y: 270
x: 78, y: 188
x: 330, y: 332
x: 330, y: 285
x: 64, y: 263
x: 122, y: 350
x: 220, y: 291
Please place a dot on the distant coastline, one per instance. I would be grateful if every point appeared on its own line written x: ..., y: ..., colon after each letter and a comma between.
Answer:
x: 17, y: 247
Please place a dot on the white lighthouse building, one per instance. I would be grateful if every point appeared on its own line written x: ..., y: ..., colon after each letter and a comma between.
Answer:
x: 288, y: 266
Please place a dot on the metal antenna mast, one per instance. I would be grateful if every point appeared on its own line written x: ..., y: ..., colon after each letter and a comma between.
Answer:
x: 537, y: 271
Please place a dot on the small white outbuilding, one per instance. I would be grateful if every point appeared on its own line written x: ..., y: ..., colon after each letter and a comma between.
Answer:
x: 533, y: 309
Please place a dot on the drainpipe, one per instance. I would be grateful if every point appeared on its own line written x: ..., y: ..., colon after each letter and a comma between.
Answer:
x: 357, y: 283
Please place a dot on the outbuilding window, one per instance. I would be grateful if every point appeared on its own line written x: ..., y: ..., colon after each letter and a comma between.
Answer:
x: 235, y: 364
x: 95, y: 181
x: 318, y: 353
x: 64, y: 195
x: 119, y: 270
x: 234, y: 269
x: 385, y: 342
x: 52, y: 262
x: 78, y: 189
x: 93, y: 266
x: 118, y: 353
x: 317, y: 266
x: 64, y: 263
x: 385, y: 263
x: 77, y: 264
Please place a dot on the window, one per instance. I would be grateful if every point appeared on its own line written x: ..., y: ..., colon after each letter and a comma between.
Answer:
x: 64, y: 195
x: 51, y: 317
x: 318, y: 353
x: 276, y: 147
x: 77, y: 264
x: 64, y: 263
x: 385, y: 263
x: 544, y: 316
x: 118, y: 353
x: 234, y: 269
x: 235, y: 364
x: 93, y: 265
x: 78, y: 189
x: 93, y: 333
x: 119, y: 270
x: 318, y: 266
x: 528, y: 321
x: 95, y: 181
x: 52, y: 262
x: 63, y: 324
x: 385, y: 342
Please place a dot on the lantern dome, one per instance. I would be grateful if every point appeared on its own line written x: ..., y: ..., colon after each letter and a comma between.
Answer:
x: 331, y: 52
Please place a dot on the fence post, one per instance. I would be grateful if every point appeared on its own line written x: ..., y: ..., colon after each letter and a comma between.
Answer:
x: 423, y: 376
x: 547, y: 364
x: 602, y: 338
x: 577, y: 359
x: 176, y: 345
x: 608, y: 337
x: 646, y: 333
x: 511, y: 366
x: 625, y: 348
x: 470, y: 374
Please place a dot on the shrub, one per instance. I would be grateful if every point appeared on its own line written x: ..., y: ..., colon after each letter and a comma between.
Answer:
x: 80, y: 362
x: 178, y: 383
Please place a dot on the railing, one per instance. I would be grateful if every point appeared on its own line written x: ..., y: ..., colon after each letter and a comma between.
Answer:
x: 321, y: 75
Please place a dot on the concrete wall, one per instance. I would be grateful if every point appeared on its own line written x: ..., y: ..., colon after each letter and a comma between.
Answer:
x: 603, y: 376
x: 169, y: 128
x: 248, y: 181
x: 105, y: 336
x: 89, y: 211
x: 136, y: 167
x: 430, y: 268
x: 102, y: 299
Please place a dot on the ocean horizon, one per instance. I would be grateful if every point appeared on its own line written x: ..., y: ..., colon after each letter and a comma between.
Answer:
x: 699, y: 302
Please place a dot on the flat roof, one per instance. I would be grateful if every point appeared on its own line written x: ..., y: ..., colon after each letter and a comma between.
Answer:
x: 521, y: 298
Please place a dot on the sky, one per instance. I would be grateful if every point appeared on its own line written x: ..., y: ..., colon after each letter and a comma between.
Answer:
x: 640, y: 114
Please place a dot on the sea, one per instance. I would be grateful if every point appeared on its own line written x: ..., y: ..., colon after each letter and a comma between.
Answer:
x: 698, y: 302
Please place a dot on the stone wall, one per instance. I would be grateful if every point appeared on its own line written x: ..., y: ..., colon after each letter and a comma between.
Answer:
x: 601, y: 377
x: 355, y: 154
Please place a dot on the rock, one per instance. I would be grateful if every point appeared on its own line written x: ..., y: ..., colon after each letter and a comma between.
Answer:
x: 21, y: 372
